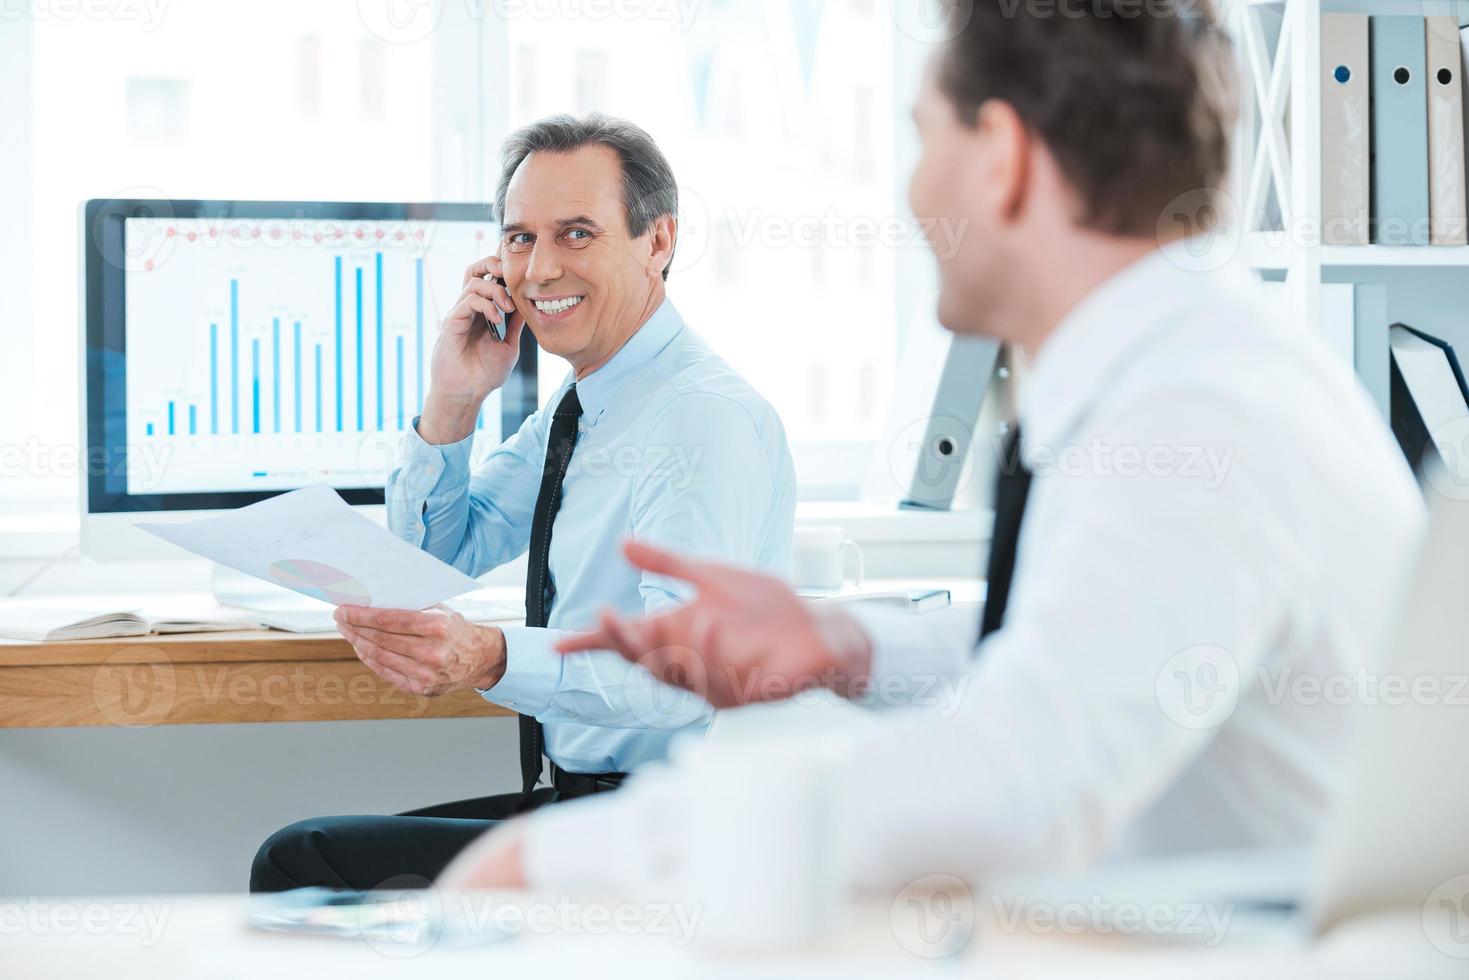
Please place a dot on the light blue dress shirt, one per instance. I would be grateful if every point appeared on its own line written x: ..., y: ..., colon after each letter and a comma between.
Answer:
x: 674, y: 448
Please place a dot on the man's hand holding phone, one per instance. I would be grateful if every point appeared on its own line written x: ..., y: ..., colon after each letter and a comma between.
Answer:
x: 470, y: 359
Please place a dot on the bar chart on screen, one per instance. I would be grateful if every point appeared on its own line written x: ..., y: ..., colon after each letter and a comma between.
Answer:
x: 270, y: 354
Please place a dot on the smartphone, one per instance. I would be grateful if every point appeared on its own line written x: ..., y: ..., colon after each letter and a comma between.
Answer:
x: 481, y: 323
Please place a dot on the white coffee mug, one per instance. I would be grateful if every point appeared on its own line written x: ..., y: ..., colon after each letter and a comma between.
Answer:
x: 761, y: 839
x: 818, y: 557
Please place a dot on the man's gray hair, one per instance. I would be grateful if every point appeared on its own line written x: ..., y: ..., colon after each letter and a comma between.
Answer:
x: 648, y: 188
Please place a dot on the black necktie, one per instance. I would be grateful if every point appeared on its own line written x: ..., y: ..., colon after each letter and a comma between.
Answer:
x: 1011, y: 489
x: 539, y: 589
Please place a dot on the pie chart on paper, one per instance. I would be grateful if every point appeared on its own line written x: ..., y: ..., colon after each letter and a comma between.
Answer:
x: 320, y: 581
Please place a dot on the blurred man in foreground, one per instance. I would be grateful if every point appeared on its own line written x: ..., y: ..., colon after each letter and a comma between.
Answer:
x: 1196, y: 504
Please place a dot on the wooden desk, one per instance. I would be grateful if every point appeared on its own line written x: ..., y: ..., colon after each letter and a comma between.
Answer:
x: 205, y: 678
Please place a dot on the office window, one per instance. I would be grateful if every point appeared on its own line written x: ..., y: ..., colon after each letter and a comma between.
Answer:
x: 273, y: 99
x: 773, y: 115
x: 778, y: 118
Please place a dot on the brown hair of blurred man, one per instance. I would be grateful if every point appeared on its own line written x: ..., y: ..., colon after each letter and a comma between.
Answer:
x: 1059, y: 141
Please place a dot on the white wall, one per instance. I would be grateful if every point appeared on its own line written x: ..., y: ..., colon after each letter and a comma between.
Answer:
x: 182, y: 808
x: 15, y: 201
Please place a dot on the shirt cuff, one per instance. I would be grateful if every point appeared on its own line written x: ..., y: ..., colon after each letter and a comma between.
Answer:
x: 532, y: 670
x: 428, y: 470
x: 909, y: 655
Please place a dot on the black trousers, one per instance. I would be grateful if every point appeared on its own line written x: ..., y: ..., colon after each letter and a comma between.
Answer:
x: 366, y: 852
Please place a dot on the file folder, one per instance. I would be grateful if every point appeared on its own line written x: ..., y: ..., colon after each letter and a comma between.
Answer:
x: 1446, y: 218
x: 1430, y: 398
x: 1399, y: 131
x: 1345, y: 129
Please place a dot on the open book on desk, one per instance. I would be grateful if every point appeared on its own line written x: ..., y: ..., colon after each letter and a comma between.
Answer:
x: 96, y: 617
x: 45, y: 620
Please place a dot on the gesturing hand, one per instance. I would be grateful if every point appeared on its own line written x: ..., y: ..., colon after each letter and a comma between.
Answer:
x: 745, y: 637
x: 430, y: 653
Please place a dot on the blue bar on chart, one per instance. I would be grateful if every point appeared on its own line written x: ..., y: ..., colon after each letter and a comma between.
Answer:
x: 418, y: 324
x: 296, y: 365
x: 339, y: 343
x: 318, y: 388
x: 214, y: 379
x: 235, y: 356
x: 148, y: 428
x: 255, y: 383
x: 399, y: 340
x: 403, y: 389
x: 360, y: 420
x: 275, y: 372
x: 170, y: 417
x: 378, y: 276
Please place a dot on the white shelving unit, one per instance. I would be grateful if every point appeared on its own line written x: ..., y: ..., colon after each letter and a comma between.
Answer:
x: 1276, y: 185
x: 1390, y: 257
x: 1277, y: 149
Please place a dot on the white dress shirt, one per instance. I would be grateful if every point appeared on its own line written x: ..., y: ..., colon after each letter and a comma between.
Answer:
x: 1219, y: 521
x: 673, y: 448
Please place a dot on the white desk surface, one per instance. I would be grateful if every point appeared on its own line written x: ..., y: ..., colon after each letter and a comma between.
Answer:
x: 205, y: 936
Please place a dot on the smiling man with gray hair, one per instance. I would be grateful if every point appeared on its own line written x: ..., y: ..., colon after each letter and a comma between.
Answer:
x: 650, y: 435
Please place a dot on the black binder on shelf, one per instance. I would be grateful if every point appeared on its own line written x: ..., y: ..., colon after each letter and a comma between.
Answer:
x: 1429, y: 398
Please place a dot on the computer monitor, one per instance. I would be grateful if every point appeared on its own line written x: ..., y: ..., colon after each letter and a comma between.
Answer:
x: 235, y: 350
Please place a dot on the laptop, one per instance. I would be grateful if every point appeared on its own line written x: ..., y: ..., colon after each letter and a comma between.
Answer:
x: 1399, y: 835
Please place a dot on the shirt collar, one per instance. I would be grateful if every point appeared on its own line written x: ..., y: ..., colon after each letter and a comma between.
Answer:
x: 596, y: 390
x: 1098, y: 339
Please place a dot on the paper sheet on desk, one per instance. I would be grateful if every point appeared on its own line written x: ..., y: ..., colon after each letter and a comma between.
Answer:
x: 310, y: 541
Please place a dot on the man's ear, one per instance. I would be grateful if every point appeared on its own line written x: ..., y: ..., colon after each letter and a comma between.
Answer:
x: 661, y: 238
x: 1007, y: 157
